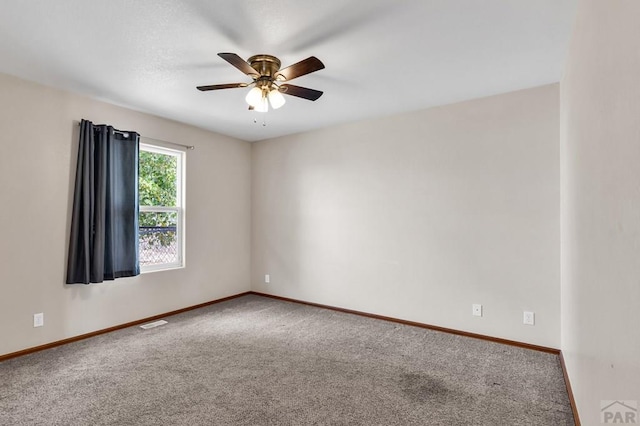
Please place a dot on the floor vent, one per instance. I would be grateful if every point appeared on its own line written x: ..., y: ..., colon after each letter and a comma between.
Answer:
x: 153, y: 324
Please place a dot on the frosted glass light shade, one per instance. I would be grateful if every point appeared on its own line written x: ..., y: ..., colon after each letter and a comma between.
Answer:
x: 254, y: 97
x: 263, y: 105
x: 276, y: 99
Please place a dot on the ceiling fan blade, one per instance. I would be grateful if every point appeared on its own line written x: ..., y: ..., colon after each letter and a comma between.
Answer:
x: 300, y: 92
x: 221, y: 86
x: 306, y: 66
x: 239, y: 63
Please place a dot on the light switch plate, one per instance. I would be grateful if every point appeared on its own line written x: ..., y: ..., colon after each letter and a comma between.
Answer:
x: 38, y: 319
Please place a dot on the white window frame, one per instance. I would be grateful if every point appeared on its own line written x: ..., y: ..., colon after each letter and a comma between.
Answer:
x: 179, y: 209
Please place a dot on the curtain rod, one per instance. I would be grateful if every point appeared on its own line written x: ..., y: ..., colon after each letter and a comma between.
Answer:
x: 191, y: 147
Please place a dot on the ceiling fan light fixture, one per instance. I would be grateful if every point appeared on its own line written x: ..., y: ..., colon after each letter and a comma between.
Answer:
x: 276, y: 98
x: 266, y: 74
x: 254, y: 97
x: 263, y: 105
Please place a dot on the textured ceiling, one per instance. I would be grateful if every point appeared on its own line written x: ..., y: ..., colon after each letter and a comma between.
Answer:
x: 382, y: 57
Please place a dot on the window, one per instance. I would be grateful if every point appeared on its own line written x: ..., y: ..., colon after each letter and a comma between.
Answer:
x: 161, y: 219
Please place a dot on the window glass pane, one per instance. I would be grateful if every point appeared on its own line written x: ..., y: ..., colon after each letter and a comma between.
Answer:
x: 158, y: 179
x: 158, y: 238
x: 161, y: 208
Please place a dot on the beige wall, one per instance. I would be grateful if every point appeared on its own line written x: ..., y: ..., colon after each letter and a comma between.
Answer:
x: 38, y: 138
x: 414, y: 216
x: 600, y: 158
x: 420, y: 215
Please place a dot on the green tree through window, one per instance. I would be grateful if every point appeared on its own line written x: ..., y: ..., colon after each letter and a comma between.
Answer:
x: 158, y: 179
x: 160, y: 207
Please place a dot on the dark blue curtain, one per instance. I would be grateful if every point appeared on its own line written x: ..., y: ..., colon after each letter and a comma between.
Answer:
x: 103, y: 244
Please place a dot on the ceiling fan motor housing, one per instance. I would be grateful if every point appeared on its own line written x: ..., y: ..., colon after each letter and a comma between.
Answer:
x: 266, y: 65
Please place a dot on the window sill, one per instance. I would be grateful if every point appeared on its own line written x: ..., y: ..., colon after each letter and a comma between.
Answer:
x: 160, y: 268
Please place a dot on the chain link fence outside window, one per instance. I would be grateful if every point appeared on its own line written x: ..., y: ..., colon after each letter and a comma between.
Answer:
x: 157, y: 245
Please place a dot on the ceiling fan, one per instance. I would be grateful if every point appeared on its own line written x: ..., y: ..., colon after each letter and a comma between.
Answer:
x: 267, y: 78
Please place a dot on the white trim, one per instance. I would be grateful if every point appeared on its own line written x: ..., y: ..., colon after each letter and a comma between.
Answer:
x: 160, y: 148
x: 160, y: 209
x: 180, y: 155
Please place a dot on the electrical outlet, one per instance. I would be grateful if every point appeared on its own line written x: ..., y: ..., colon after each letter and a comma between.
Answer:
x: 38, y: 319
x: 529, y: 318
x: 267, y: 279
x: 476, y: 310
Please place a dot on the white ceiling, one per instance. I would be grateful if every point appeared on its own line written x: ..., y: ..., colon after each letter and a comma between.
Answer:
x: 382, y: 57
